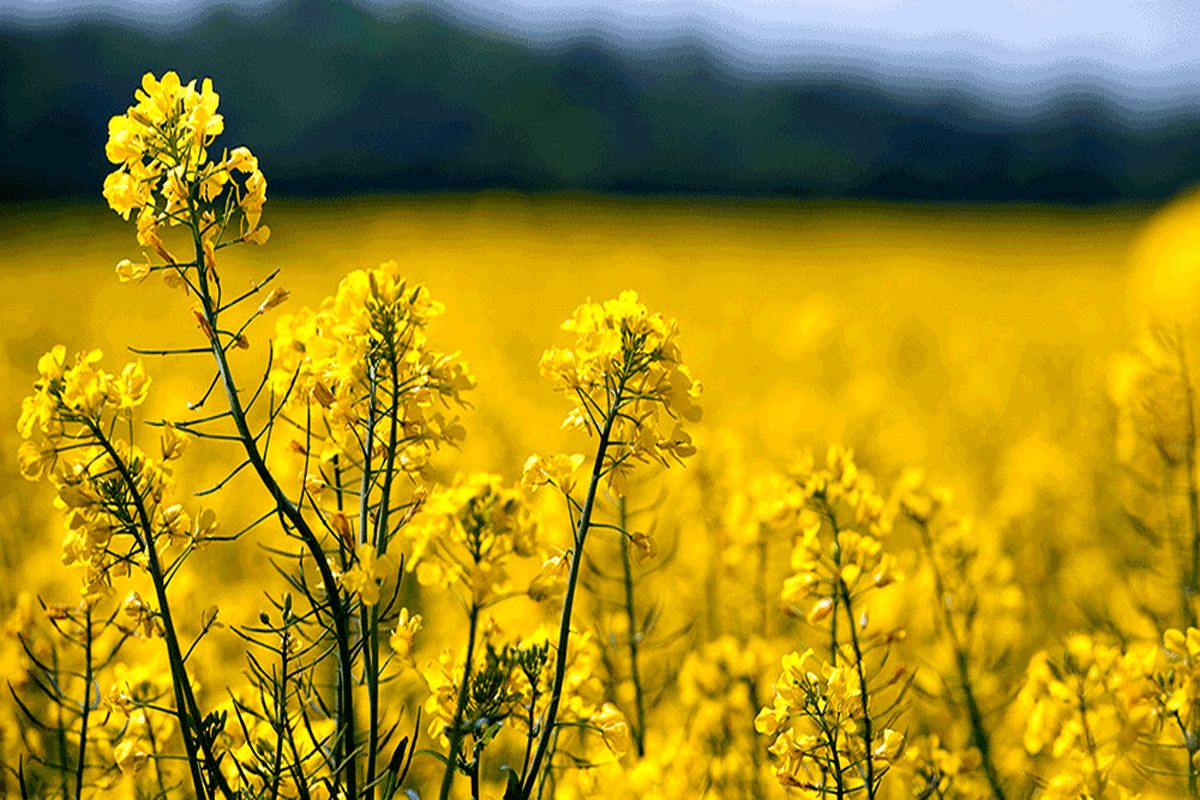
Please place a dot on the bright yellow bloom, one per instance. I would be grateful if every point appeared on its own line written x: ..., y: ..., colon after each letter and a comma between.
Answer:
x: 467, y: 532
x: 132, y: 271
x: 35, y: 459
x: 407, y: 627
x: 625, y: 367
x: 614, y: 729
x: 367, y: 345
x: 129, y: 756
x: 368, y: 574
x: 164, y: 170
x: 558, y: 470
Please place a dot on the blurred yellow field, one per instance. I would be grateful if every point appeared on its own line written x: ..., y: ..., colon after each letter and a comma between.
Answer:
x: 781, y: 303
x: 994, y: 356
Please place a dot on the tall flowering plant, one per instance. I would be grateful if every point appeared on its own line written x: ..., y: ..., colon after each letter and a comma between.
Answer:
x: 340, y: 430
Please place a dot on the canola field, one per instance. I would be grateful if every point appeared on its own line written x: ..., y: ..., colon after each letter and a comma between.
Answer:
x: 930, y: 527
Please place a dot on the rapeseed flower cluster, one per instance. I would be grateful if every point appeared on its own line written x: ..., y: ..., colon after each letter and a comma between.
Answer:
x: 117, y: 500
x: 378, y: 615
x: 627, y: 384
x: 166, y: 174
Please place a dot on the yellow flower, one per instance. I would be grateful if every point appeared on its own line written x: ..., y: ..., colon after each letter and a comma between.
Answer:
x: 368, y: 574
x: 258, y: 236
x: 551, y: 580
x: 470, y: 530
x: 558, y: 470
x: 132, y: 386
x: 120, y: 698
x: 1183, y: 645
x: 172, y: 442
x: 242, y: 160
x: 147, y: 622
x: 164, y: 170
x: 820, y: 610
x: 35, y: 459
x: 124, y: 140
x: 123, y: 193
x: 129, y: 757
x: 132, y: 271
x: 252, y: 200
x: 374, y: 324
x: 889, y: 747
x: 614, y: 729
x: 407, y: 627
x: 625, y: 367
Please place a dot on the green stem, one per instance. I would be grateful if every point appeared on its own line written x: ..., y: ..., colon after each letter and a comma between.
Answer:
x: 381, y: 542
x: 281, y: 714
x: 831, y: 739
x: 979, y: 733
x: 368, y: 617
x: 635, y: 636
x: 842, y: 594
x: 1191, y: 746
x: 474, y: 775
x: 158, y: 776
x: 345, y: 735
x: 564, y: 628
x: 185, y: 704
x: 868, y: 724
x: 456, y: 734
x: 87, y: 703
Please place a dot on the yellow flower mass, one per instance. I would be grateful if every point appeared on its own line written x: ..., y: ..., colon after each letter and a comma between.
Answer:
x: 292, y: 546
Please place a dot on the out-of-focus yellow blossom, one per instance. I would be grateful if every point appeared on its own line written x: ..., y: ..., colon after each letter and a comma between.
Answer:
x: 145, y: 620
x: 1087, y: 710
x: 130, y: 757
x: 368, y: 574
x: 467, y: 532
x: 836, y: 519
x: 408, y: 625
x: 557, y: 470
x: 933, y: 770
x: 551, y: 579
x: 718, y: 691
x: 1149, y: 390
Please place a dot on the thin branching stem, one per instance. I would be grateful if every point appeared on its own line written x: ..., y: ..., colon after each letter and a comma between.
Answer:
x: 456, y: 724
x: 980, y: 738
x: 185, y: 704
x: 634, y: 637
x: 564, y: 628
x: 81, y: 764
x: 346, y: 769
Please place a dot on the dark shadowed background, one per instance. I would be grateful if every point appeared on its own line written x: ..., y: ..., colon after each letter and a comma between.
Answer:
x: 337, y: 97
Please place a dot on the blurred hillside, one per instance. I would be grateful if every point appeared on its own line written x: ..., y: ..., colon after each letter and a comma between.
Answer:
x: 335, y: 98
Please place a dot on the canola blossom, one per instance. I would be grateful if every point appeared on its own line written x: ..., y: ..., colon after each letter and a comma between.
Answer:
x: 299, y: 584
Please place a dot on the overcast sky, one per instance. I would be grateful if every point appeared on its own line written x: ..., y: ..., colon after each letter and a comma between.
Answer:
x: 1156, y: 38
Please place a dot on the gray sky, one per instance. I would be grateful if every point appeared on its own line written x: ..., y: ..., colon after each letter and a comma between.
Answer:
x: 1151, y: 38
